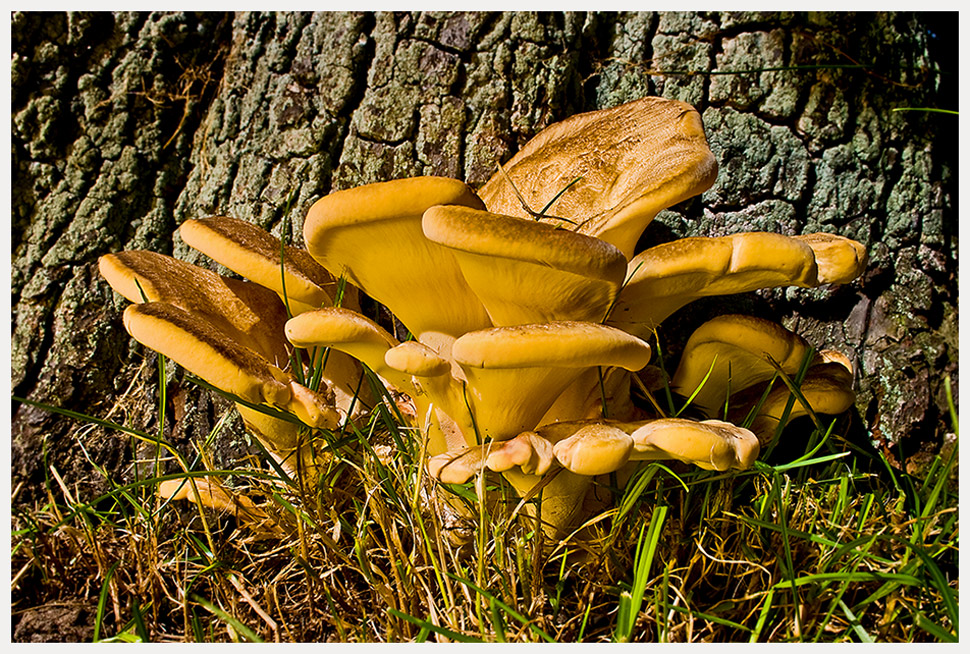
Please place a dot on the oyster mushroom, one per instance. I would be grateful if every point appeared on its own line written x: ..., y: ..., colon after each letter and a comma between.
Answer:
x: 528, y: 272
x: 708, y: 444
x: 827, y: 388
x: 528, y: 451
x: 372, y: 235
x: 738, y: 352
x: 514, y: 374
x: 253, y: 253
x: 631, y: 161
x: 664, y: 278
x: 839, y: 259
x: 226, y: 331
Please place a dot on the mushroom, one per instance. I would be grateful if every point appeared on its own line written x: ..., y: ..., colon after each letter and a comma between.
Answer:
x: 514, y: 374
x: 630, y: 161
x: 827, y: 387
x: 708, y: 444
x: 212, y: 494
x: 528, y: 451
x: 372, y: 235
x: 246, y: 312
x: 734, y: 352
x: 594, y: 449
x: 253, y: 253
x: 528, y: 272
x: 839, y: 259
x: 664, y: 278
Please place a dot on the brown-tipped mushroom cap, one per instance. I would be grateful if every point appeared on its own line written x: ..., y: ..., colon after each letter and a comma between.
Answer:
x: 198, y: 346
x: 515, y: 373
x: 255, y: 254
x: 527, y: 272
x: 710, y: 444
x: 666, y: 277
x: 840, y: 259
x: 741, y: 349
x: 246, y: 312
x: 372, y: 235
x: 594, y: 449
x: 631, y: 161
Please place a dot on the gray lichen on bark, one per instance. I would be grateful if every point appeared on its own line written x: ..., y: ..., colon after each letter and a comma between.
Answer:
x: 126, y: 124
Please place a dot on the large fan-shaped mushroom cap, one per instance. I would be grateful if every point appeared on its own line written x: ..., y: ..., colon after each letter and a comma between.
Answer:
x: 528, y: 272
x: 372, y: 235
x: 631, y: 161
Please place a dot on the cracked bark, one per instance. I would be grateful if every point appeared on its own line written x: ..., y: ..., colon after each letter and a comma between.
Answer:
x: 126, y: 124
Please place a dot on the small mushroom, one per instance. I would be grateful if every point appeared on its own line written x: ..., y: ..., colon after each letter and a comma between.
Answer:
x: 827, y: 388
x: 528, y: 272
x: 515, y: 374
x: 434, y: 386
x: 839, y: 259
x: 737, y: 352
x: 372, y: 235
x: 212, y: 494
x: 709, y: 444
x: 527, y: 451
x: 253, y: 253
x: 630, y: 161
x: 594, y: 449
x: 664, y: 278
x: 349, y: 332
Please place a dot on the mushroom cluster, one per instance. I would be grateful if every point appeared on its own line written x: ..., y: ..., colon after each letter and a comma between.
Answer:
x: 527, y: 311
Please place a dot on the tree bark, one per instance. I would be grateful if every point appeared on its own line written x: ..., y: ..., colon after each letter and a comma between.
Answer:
x: 126, y: 124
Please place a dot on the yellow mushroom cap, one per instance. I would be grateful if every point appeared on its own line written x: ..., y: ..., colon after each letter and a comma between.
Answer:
x: 827, y: 388
x: 709, y: 444
x: 560, y: 344
x: 514, y: 374
x: 740, y: 349
x: 594, y: 449
x: 372, y: 235
x: 631, y: 160
x: 255, y: 254
x: 416, y: 359
x: 246, y: 312
x: 527, y: 451
x: 840, y: 259
x: 194, y: 344
x: 666, y: 277
x: 524, y: 271
x: 348, y: 332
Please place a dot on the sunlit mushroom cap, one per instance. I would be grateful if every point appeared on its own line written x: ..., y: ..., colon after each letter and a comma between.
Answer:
x: 527, y: 272
x: 594, y: 449
x: 631, y: 161
x: 709, y: 444
x: 204, y: 350
x: 515, y: 374
x: 372, y: 235
x: 247, y: 313
x: 666, y: 277
x: 528, y: 452
x: 738, y: 352
x: 256, y: 255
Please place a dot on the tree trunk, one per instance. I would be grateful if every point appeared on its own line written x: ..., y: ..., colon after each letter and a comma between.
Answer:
x: 126, y: 124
